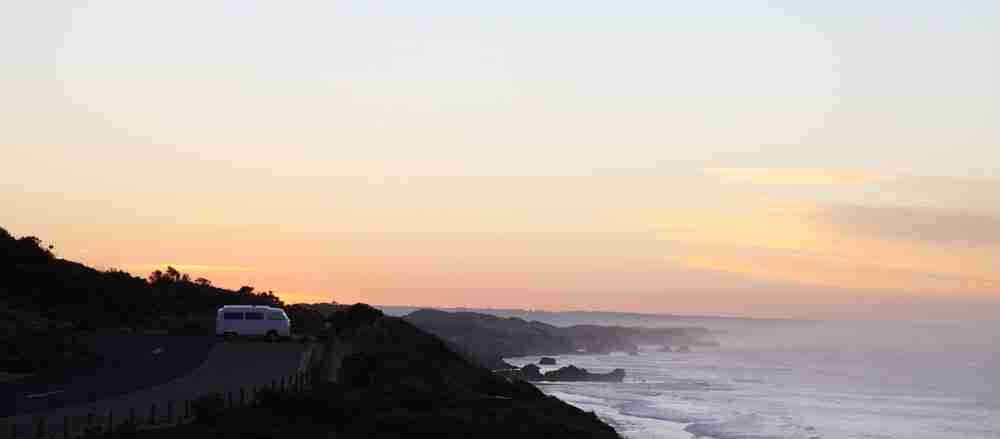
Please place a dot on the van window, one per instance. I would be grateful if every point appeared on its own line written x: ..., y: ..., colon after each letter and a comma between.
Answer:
x: 232, y: 316
x: 275, y: 316
x: 254, y: 316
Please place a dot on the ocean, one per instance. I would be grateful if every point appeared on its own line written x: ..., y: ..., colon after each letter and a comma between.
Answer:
x: 843, y: 380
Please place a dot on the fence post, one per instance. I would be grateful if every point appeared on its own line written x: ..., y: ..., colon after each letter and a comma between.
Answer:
x: 243, y: 400
x: 187, y: 409
x: 66, y: 426
x: 111, y: 421
x: 40, y: 431
x: 131, y: 416
x: 13, y: 431
x: 170, y: 411
x: 229, y: 399
x: 152, y: 414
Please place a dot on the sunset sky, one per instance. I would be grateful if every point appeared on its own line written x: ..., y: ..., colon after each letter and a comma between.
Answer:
x: 807, y: 158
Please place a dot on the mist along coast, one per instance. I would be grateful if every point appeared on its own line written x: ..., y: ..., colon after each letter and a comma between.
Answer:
x: 897, y: 380
x: 749, y: 378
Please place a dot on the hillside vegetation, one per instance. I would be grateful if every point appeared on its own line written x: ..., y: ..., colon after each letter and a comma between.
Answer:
x: 45, y: 302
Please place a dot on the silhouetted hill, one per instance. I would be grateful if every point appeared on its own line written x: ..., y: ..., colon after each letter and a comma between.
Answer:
x: 395, y: 380
x: 486, y: 339
x: 46, y: 299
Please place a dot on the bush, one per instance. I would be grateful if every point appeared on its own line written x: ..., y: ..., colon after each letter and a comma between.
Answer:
x: 208, y: 408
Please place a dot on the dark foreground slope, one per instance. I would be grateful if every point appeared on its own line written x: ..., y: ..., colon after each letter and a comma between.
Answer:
x: 398, y: 381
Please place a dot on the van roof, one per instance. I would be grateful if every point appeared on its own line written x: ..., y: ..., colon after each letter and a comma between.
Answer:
x: 249, y: 306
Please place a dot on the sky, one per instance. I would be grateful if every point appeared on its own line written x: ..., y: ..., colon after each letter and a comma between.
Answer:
x: 806, y: 159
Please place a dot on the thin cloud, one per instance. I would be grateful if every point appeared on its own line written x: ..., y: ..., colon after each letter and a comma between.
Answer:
x: 816, y: 270
x: 932, y: 225
x: 796, y: 176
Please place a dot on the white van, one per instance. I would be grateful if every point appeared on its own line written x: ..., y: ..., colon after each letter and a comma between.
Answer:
x: 233, y: 320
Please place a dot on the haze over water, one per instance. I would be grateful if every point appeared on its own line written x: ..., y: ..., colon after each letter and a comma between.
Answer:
x: 805, y: 380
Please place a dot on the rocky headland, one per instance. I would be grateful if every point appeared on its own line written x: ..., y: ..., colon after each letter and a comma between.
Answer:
x: 532, y: 372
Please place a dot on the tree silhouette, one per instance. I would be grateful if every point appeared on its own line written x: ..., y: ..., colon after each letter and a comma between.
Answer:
x: 156, y: 277
x: 172, y: 274
x: 66, y: 294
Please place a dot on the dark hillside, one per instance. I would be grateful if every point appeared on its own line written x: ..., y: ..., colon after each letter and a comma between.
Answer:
x: 399, y: 382
x: 46, y: 301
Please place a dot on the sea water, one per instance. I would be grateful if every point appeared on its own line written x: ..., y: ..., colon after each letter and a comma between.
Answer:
x: 817, y: 387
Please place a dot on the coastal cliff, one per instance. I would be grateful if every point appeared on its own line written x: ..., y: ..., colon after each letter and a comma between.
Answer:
x: 486, y: 339
x: 387, y: 378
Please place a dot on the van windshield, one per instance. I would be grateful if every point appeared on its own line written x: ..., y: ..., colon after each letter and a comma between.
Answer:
x: 276, y: 316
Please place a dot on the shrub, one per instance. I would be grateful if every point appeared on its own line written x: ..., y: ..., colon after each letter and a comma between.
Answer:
x: 208, y: 408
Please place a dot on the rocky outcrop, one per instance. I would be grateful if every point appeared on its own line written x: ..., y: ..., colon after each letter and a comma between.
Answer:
x: 573, y: 373
x: 532, y: 372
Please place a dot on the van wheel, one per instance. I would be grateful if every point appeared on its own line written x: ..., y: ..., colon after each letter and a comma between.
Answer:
x: 272, y: 335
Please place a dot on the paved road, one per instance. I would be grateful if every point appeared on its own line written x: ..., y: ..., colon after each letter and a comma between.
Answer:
x: 131, y: 362
x: 227, y: 366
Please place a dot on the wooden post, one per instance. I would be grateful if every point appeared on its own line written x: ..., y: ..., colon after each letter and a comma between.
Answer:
x: 229, y: 399
x: 13, y: 431
x: 152, y: 414
x: 111, y: 421
x: 243, y: 400
x: 40, y: 431
x: 131, y: 416
x: 187, y: 409
x: 170, y: 412
x: 66, y: 426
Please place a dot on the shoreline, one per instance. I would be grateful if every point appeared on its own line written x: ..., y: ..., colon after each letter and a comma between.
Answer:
x: 605, y: 409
